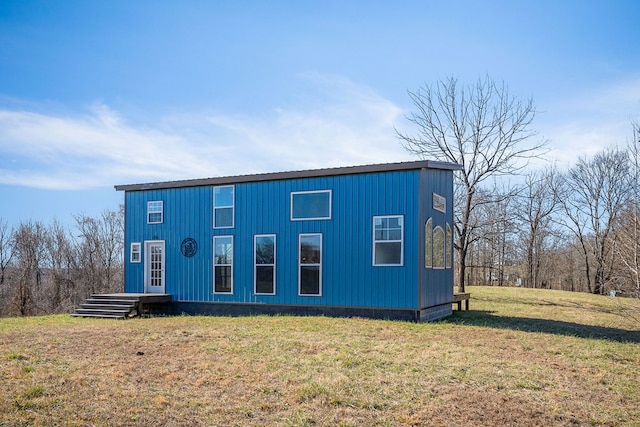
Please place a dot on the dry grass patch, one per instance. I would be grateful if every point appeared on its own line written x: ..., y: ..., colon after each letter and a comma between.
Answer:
x: 519, y: 357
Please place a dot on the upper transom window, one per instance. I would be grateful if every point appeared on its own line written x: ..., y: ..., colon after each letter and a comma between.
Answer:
x: 223, y: 206
x: 306, y: 205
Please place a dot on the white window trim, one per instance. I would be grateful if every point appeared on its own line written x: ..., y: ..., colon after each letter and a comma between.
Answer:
x: 255, y: 264
x: 373, y: 241
x: 135, y: 248
x: 223, y: 265
x: 149, y: 212
x: 232, y: 206
x: 321, y: 218
x: 300, y: 294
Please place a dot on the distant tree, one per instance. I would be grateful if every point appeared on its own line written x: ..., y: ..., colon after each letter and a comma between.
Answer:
x: 52, y: 269
x: 61, y: 286
x: 537, y: 202
x: 593, y: 194
x: 99, y: 251
x: 628, y: 235
x: 7, y: 245
x: 30, y: 259
x: 491, y: 235
x: 482, y: 128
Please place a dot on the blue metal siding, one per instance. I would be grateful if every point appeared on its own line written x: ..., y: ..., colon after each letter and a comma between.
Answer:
x: 436, y: 285
x: 187, y: 213
x: 349, y: 278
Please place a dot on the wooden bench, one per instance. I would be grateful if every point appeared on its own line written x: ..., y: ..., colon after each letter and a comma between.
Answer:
x: 458, y: 297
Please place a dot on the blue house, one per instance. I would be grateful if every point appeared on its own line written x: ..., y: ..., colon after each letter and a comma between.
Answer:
x: 372, y: 241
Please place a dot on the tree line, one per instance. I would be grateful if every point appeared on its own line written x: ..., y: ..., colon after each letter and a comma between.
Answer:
x: 574, y: 230
x: 50, y: 268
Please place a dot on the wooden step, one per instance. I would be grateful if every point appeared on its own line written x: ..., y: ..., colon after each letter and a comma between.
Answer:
x: 107, y: 312
x: 121, y: 297
x: 107, y: 306
x: 119, y: 306
x: 101, y: 316
x: 105, y: 301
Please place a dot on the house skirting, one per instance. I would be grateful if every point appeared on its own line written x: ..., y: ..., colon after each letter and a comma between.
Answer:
x: 430, y: 314
x: 244, y: 309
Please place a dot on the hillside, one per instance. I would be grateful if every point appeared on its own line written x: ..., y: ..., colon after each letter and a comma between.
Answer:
x: 519, y: 357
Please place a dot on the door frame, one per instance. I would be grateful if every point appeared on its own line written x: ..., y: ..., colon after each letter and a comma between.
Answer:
x: 147, y: 267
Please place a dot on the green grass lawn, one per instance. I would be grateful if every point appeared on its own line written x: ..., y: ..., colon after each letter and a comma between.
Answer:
x: 518, y: 357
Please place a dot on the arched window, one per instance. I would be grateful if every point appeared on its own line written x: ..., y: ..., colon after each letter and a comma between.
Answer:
x: 438, y: 247
x: 448, y: 251
x: 428, y: 244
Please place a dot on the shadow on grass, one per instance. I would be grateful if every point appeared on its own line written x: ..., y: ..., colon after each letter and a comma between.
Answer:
x: 526, y: 324
x: 558, y: 303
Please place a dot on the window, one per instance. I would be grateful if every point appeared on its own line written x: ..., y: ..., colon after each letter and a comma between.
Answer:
x: 223, y: 264
x: 135, y: 254
x: 428, y: 244
x: 438, y: 247
x: 310, y: 264
x: 448, y: 247
x: 155, y: 212
x: 306, y: 205
x: 387, y: 240
x: 223, y: 207
x: 265, y: 264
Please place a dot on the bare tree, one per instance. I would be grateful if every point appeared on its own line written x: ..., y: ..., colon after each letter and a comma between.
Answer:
x: 7, y: 251
x: 52, y: 269
x: 99, y: 249
x: 537, y: 203
x: 491, y: 238
x: 628, y: 237
x: 30, y: 255
x: 7, y: 245
x: 482, y: 128
x: 61, y: 286
x: 594, y: 194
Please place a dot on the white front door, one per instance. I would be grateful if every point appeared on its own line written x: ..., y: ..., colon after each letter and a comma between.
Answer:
x: 154, y: 267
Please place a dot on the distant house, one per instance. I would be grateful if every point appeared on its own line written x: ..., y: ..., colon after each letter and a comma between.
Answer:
x: 372, y: 241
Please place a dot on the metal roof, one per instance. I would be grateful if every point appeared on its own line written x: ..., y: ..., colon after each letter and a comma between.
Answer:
x: 311, y: 173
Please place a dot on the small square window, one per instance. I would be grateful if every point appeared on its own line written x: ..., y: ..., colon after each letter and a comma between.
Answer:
x: 155, y: 212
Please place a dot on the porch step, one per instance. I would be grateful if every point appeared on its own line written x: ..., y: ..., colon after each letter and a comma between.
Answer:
x: 102, y: 306
x: 101, y: 316
x: 119, y: 306
x: 110, y: 302
x: 108, y: 307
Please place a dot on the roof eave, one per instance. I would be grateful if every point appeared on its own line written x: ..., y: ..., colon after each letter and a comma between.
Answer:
x: 311, y: 173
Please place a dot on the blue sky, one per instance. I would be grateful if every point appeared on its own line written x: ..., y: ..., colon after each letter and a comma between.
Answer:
x: 97, y: 93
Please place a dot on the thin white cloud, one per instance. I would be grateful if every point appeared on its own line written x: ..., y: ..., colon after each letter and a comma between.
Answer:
x: 352, y: 125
